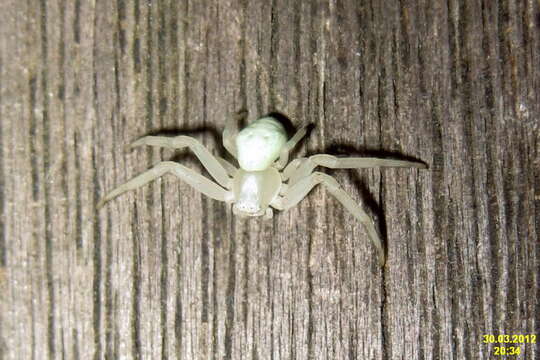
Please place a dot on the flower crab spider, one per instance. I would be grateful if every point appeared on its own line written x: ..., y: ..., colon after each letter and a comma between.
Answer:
x: 262, y: 151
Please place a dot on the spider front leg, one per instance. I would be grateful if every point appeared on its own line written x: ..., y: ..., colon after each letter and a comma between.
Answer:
x: 214, y: 167
x: 302, y: 167
x: 197, y: 181
x: 296, y: 192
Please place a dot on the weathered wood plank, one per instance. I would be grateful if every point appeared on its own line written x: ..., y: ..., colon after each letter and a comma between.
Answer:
x: 165, y: 273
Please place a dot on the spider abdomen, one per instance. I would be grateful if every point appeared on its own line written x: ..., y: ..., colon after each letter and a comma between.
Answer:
x: 260, y: 143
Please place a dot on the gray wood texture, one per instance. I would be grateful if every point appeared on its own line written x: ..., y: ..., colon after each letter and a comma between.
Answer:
x: 164, y: 273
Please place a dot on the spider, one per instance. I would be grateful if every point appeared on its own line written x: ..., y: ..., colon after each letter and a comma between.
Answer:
x: 266, y: 179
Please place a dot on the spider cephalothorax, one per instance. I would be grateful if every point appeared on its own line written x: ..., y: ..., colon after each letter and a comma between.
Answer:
x: 265, y: 179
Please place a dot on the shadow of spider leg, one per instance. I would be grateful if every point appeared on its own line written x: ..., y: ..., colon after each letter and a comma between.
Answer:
x: 299, y: 190
x: 196, y: 180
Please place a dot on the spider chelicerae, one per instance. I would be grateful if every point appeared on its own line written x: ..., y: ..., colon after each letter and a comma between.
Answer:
x: 266, y: 179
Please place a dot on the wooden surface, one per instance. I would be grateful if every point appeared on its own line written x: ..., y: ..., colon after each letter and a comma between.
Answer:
x: 166, y: 273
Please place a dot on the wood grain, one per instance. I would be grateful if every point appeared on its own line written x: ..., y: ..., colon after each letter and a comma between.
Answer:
x: 164, y: 272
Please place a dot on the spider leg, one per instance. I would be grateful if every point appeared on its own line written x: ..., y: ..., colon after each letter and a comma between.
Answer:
x: 302, y: 187
x: 214, y: 167
x: 268, y: 214
x: 301, y: 168
x: 284, y: 154
x: 197, y: 181
x: 231, y: 130
x: 230, y: 168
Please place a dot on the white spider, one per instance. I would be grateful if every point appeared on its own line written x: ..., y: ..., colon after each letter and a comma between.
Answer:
x: 262, y: 151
